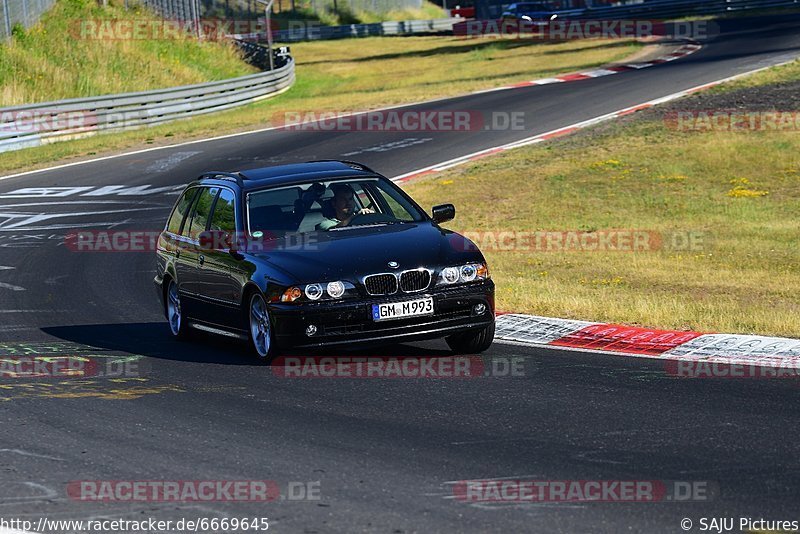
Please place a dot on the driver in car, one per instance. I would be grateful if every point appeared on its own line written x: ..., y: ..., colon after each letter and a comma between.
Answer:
x: 344, y: 206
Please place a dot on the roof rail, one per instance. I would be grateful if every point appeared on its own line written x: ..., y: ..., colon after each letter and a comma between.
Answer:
x: 220, y: 175
x: 353, y: 164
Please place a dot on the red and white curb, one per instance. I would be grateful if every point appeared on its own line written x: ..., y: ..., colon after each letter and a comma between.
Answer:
x: 732, y: 349
x: 683, y: 51
x: 540, y: 138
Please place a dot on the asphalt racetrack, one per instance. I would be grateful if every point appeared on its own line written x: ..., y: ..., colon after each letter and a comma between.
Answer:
x: 381, y: 455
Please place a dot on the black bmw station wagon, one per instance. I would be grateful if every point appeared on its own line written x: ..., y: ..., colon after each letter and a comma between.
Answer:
x: 319, y: 254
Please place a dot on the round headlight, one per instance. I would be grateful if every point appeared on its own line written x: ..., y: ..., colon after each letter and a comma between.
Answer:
x: 468, y: 273
x: 314, y: 291
x: 450, y: 275
x: 335, y: 289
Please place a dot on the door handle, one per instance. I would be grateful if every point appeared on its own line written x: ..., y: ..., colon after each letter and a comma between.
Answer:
x: 202, y: 260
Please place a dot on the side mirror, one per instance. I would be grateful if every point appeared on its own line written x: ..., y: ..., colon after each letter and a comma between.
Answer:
x: 443, y: 213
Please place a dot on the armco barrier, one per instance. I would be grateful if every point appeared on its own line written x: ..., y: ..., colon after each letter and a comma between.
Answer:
x: 682, y: 8
x: 311, y: 32
x: 650, y: 9
x: 35, y: 124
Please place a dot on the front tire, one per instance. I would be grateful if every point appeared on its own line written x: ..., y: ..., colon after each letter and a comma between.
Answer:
x: 177, y: 322
x: 473, y: 342
x: 260, y: 328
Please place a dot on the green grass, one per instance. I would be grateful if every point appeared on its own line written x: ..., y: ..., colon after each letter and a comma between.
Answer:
x: 739, y: 191
x: 328, y: 17
x: 360, y: 74
x: 48, y: 63
x: 782, y: 74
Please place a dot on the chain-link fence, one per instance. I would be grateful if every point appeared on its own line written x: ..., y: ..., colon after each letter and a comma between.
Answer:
x: 21, y: 12
x: 184, y: 10
x: 251, y: 9
x: 372, y: 6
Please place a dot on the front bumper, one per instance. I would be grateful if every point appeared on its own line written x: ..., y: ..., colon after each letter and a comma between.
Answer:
x: 350, y: 322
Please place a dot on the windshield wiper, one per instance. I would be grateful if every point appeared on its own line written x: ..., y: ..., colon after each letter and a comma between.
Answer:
x: 370, y: 225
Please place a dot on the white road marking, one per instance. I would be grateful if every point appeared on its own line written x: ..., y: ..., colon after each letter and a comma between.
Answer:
x: 583, y: 124
x: 17, y: 220
x: 122, y: 190
x: 65, y: 203
x: 394, y: 145
x: 170, y: 162
x: 90, y: 191
x: 32, y: 454
x: 11, y: 287
x: 34, y: 311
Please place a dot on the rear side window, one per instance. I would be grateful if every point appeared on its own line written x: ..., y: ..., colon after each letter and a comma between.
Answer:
x: 224, y: 217
x: 181, y: 210
x: 201, y: 212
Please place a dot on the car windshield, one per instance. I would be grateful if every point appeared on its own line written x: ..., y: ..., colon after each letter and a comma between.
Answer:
x: 328, y: 206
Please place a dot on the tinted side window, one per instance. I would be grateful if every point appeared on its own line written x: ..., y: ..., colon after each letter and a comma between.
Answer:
x: 181, y: 210
x: 224, y: 217
x: 201, y: 211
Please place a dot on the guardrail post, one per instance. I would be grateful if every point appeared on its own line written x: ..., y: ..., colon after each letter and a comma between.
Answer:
x: 7, y: 18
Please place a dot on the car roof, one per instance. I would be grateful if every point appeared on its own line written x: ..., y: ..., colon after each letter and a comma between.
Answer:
x: 250, y: 179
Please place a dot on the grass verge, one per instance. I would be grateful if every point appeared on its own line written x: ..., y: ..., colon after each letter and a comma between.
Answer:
x: 344, y: 15
x: 735, y: 195
x: 47, y: 62
x: 359, y: 74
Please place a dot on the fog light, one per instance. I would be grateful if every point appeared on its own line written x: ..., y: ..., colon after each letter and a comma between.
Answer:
x: 479, y: 309
x: 311, y: 330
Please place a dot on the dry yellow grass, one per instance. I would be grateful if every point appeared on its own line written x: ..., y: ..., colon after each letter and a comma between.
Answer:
x: 742, y: 276
x: 359, y: 74
x: 48, y: 62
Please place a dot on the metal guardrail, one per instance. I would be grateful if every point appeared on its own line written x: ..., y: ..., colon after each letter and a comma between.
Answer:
x: 660, y: 9
x: 36, y: 124
x: 312, y: 32
x: 354, y: 6
x: 639, y: 9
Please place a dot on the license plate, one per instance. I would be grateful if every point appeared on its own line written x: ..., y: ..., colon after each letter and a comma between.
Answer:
x: 400, y: 310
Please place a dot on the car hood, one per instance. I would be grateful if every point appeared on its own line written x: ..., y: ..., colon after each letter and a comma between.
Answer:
x: 352, y: 253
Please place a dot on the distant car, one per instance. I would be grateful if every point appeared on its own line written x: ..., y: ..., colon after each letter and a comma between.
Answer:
x: 272, y: 256
x: 464, y: 12
x: 536, y: 12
